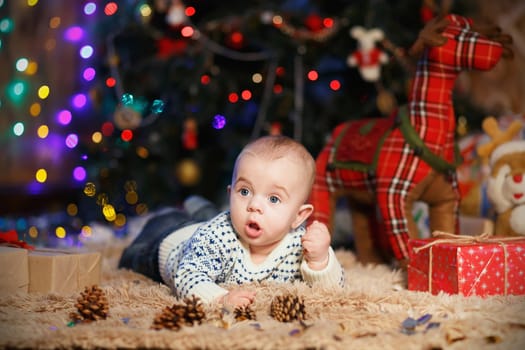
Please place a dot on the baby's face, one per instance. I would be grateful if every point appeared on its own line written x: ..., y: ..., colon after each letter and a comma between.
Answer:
x: 265, y: 199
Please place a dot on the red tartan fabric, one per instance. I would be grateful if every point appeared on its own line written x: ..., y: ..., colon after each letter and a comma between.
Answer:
x: 358, y: 145
x: 432, y: 115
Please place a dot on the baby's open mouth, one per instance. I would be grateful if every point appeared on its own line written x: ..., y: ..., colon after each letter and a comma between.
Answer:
x: 253, y: 230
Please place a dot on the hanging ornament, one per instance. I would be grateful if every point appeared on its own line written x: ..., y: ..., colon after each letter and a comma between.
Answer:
x: 90, y: 189
x: 129, y: 113
x: 126, y: 117
x: 176, y: 15
x: 168, y: 47
x: 386, y: 102
x: 428, y: 10
x: 187, y: 172
x: 314, y: 22
x: 276, y: 128
x: 189, y: 135
x: 157, y: 106
x: 368, y: 58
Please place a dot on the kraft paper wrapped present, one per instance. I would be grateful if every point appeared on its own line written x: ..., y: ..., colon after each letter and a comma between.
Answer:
x: 14, y: 270
x: 468, y: 265
x: 64, y: 271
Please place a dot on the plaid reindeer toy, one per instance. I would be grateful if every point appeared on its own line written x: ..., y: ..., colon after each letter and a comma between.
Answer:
x: 383, y: 165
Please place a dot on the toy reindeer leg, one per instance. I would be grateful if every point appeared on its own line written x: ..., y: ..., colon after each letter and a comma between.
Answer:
x: 442, y: 198
x: 364, y: 224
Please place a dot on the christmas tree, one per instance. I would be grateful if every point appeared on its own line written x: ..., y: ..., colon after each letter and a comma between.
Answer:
x: 113, y: 109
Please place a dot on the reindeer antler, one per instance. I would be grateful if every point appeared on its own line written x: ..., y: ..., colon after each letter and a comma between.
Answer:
x: 494, y: 32
x: 430, y: 35
x: 498, y: 137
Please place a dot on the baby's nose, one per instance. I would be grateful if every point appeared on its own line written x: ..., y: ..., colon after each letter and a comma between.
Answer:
x: 255, y: 204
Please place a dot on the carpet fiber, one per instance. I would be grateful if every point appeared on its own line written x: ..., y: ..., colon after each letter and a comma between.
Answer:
x: 367, y: 314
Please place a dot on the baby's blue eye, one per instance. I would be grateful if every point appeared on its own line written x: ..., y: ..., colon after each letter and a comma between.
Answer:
x: 274, y: 199
x: 244, y: 192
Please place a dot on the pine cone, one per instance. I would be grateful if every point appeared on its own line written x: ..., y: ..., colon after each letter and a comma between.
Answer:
x: 170, y: 318
x: 194, y: 311
x: 92, y: 305
x: 286, y: 308
x: 178, y: 315
x: 244, y: 313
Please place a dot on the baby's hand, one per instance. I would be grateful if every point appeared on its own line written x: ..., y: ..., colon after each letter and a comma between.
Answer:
x: 238, y: 298
x: 316, y: 242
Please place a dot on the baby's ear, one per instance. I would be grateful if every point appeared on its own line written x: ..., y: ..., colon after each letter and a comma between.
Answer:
x: 304, y: 213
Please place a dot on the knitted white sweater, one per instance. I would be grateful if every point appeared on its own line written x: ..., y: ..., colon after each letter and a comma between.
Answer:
x: 195, y: 260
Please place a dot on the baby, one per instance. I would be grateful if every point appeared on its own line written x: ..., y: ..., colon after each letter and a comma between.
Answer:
x: 260, y: 238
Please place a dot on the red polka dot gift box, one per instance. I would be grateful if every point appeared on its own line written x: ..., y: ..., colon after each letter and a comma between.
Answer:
x: 468, y: 265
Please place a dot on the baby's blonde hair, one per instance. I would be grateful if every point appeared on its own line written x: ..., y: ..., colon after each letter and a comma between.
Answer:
x: 279, y: 146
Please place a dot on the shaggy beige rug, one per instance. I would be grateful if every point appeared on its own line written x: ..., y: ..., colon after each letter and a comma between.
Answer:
x: 368, y: 314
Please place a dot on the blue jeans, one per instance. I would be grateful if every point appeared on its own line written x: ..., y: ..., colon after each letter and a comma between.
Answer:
x: 142, y: 255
